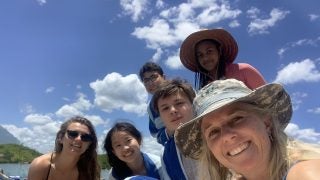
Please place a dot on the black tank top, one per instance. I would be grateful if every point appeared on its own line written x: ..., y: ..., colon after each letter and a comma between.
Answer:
x: 49, y: 166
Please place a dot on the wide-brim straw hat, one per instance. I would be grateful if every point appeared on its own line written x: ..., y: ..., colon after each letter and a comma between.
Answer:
x: 228, y: 45
x: 221, y: 93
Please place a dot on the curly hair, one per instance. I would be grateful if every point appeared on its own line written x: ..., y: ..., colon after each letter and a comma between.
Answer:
x: 88, y: 166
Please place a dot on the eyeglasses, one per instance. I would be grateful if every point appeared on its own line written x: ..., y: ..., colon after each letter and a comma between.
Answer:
x: 84, y: 137
x: 152, y: 78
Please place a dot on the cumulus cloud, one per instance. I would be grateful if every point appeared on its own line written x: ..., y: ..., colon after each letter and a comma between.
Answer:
x: 41, y: 138
x: 306, y: 135
x: 294, y: 72
x: 75, y: 109
x: 175, y: 23
x: 38, y: 119
x: 134, y: 8
x: 120, y: 92
x: 261, y: 26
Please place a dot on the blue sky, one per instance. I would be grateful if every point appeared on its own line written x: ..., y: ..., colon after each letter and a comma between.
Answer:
x: 63, y: 58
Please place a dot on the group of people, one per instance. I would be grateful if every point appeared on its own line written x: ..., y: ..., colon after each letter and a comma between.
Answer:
x: 230, y: 126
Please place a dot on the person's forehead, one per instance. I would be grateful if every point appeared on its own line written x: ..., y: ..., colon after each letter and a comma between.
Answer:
x: 79, y: 127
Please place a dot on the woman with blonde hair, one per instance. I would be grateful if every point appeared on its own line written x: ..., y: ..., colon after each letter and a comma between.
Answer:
x: 239, y: 134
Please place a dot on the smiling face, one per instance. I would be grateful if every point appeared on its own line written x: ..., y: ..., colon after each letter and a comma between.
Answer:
x: 175, y: 109
x: 238, y: 137
x: 207, y: 54
x: 75, y: 144
x: 125, y: 146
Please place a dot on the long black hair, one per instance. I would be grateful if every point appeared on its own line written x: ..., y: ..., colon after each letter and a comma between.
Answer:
x: 119, y: 167
x: 201, y: 76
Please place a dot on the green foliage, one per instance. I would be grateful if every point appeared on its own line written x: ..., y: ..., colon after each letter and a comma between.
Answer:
x: 102, y: 159
x: 14, y: 153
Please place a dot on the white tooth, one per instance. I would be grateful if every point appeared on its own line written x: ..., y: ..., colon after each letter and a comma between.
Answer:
x: 239, y: 149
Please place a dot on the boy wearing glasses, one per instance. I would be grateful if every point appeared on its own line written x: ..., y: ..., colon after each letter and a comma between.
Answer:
x: 151, y: 74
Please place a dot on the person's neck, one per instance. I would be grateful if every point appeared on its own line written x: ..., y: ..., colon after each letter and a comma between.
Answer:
x: 137, y: 167
x: 64, y: 162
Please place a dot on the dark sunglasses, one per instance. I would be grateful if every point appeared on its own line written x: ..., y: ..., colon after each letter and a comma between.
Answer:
x: 84, y: 137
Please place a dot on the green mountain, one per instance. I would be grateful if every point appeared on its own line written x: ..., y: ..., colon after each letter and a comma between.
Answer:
x: 14, y: 153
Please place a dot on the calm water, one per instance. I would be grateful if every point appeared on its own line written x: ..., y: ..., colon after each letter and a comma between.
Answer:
x: 22, y: 170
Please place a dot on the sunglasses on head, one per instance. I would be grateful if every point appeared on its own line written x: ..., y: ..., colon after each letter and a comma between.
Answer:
x: 84, y: 137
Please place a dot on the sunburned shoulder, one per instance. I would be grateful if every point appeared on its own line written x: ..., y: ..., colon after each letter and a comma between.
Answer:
x: 306, y: 170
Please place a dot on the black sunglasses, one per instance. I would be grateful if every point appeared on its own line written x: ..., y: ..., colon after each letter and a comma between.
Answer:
x: 84, y: 137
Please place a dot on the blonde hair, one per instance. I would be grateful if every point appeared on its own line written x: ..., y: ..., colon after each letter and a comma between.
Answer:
x: 301, y: 151
x: 278, y: 156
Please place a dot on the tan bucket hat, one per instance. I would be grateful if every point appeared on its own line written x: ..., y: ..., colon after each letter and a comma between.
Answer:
x: 229, y: 46
x: 221, y: 93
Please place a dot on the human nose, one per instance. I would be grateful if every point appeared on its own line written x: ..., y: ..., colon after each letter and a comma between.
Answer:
x: 173, y: 110
x: 228, y: 134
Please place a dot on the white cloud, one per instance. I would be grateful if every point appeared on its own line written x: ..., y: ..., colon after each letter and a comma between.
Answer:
x: 41, y: 138
x: 174, y: 62
x: 38, y: 119
x: 306, y: 135
x: 297, y: 99
x: 314, y: 110
x: 27, y: 109
x: 216, y: 13
x: 313, y: 17
x: 157, y: 35
x: 41, y: 2
x: 234, y: 24
x: 294, y: 72
x: 120, y: 92
x: 49, y: 89
x: 75, y: 109
x: 261, y: 26
x: 302, y: 42
x: 156, y: 57
x: 134, y: 8
x: 150, y: 145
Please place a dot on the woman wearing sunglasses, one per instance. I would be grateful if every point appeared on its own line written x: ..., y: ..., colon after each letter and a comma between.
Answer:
x: 122, y: 145
x: 75, y: 155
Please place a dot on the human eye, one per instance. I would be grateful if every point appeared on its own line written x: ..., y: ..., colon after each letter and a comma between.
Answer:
x: 164, y: 108
x: 212, y: 133
x: 236, y: 120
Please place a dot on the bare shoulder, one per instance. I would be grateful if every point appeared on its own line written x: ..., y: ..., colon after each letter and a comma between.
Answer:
x: 306, y: 170
x: 39, y: 167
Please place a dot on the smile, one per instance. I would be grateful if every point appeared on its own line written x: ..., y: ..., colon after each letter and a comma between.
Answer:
x: 239, y: 149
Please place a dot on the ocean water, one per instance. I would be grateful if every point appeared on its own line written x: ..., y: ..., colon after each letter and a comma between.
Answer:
x: 22, y: 170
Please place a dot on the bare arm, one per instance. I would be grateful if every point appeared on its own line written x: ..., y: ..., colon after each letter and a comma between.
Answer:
x: 306, y: 170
